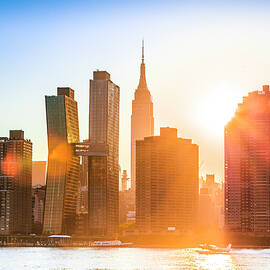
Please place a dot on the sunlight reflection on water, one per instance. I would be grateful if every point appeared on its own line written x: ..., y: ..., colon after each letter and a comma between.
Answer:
x: 130, y: 259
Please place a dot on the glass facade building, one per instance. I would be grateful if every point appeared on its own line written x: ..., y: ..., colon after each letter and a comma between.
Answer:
x: 247, y: 165
x: 63, y: 166
x: 103, y: 161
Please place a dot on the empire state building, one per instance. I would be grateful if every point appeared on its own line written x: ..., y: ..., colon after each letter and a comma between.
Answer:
x: 142, y: 120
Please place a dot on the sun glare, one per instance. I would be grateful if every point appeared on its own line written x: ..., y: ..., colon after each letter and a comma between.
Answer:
x: 215, y: 109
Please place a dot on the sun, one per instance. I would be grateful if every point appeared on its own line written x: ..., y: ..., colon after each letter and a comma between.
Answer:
x: 215, y: 109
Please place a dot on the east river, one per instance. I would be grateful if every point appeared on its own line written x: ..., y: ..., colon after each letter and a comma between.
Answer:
x: 129, y: 258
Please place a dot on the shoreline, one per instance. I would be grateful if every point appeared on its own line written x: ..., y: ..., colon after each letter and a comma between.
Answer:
x: 131, y: 246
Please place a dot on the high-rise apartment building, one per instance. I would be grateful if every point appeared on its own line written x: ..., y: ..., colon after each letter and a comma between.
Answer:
x: 142, y: 120
x: 103, y: 166
x: 63, y: 166
x: 167, y: 183
x: 247, y: 165
x: 15, y: 184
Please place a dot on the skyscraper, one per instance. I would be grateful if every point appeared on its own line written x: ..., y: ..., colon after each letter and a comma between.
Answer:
x: 142, y: 120
x: 103, y: 166
x: 247, y: 165
x: 63, y: 165
x: 15, y: 184
x: 167, y: 183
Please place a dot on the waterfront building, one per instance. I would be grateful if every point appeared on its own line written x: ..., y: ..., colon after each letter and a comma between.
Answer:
x: 103, y: 155
x: 142, y: 120
x: 38, y: 203
x: 39, y: 173
x: 247, y: 165
x: 15, y: 184
x: 167, y: 183
x: 63, y: 166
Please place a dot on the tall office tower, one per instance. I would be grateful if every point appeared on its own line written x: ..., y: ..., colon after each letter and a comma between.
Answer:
x: 247, y: 165
x: 142, y: 120
x: 15, y: 184
x: 63, y: 166
x: 103, y: 166
x: 167, y: 183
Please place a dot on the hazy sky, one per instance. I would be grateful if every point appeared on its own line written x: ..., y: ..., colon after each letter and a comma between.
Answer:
x: 201, y: 58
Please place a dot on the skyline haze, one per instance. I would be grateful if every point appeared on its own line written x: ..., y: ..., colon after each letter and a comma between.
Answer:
x: 201, y: 60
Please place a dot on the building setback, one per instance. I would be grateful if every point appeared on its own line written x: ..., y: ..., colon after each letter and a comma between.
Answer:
x: 103, y: 163
x: 167, y: 183
x: 15, y: 184
x: 63, y: 166
x: 247, y: 165
x: 142, y: 120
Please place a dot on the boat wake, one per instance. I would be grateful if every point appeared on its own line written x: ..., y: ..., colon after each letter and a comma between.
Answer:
x: 251, y: 251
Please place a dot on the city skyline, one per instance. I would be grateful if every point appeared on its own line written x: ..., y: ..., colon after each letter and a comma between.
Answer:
x: 135, y: 134
x: 208, y: 62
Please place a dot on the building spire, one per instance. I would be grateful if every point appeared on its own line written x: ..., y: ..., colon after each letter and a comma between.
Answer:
x: 143, y: 51
x: 142, y: 84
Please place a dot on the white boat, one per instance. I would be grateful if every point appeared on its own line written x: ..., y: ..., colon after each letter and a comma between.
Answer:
x: 212, y: 249
x: 113, y: 243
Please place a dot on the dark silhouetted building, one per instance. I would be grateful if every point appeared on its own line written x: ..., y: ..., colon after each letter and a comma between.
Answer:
x: 39, y: 173
x: 63, y: 166
x: 83, y: 187
x: 15, y: 184
x: 103, y: 168
x: 167, y: 183
x: 38, y: 203
x: 247, y: 165
x: 142, y: 120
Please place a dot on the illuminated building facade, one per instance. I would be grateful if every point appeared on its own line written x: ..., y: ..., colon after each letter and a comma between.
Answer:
x: 103, y: 166
x: 63, y: 166
x: 247, y: 165
x: 167, y: 183
x: 142, y: 120
x: 15, y: 184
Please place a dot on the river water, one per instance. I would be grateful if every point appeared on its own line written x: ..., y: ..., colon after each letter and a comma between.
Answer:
x: 130, y: 258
